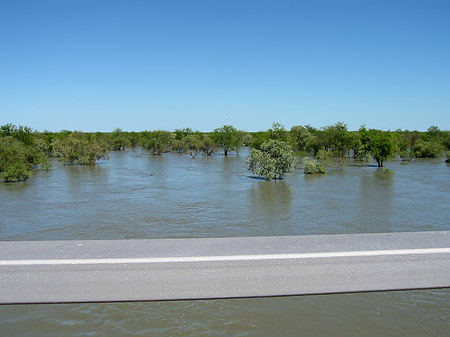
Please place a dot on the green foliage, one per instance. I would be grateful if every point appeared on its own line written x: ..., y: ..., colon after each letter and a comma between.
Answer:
x: 119, y: 140
x: 412, y: 138
x: 45, y: 165
x: 377, y: 143
x: 180, y: 134
x: 14, y: 160
x: 80, y: 148
x: 272, y: 160
x: 433, y: 131
x: 246, y: 138
x: 428, y: 149
x: 207, y: 146
x: 193, y: 144
x: 179, y: 145
x: 157, y: 141
x: 301, y: 138
x: 406, y: 155
x: 337, y: 138
x: 16, y: 172
x: 258, y: 138
x: 228, y: 138
x: 446, y: 139
x: 178, y: 142
x: 278, y: 132
x: 323, y: 155
x: 133, y: 138
x: 23, y: 134
x: 22, y: 149
x: 313, y: 167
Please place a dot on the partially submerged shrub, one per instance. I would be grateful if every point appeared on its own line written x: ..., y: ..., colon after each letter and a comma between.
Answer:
x: 45, y: 164
x: 16, y: 159
x: 424, y: 149
x: 323, y: 155
x: 312, y: 167
x: 406, y: 155
x: 272, y: 161
x: 79, y: 148
x: 16, y: 172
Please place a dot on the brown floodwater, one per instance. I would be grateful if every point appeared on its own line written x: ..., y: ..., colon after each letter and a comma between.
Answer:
x: 174, y: 196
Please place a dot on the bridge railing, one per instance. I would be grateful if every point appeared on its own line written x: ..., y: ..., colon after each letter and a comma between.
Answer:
x: 181, y: 269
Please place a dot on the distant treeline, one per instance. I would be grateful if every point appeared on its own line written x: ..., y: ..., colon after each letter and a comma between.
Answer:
x: 22, y: 149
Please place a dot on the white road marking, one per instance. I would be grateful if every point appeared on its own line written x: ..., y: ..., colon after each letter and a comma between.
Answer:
x: 226, y: 258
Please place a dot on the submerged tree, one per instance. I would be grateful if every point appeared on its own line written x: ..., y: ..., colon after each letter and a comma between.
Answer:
x: 301, y: 138
x: 278, y: 132
x: 377, y: 143
x: 193, y: 144
x: 158, y: 141
x: 228, y: 138
x: 14, y: 163
x: 313, y: 167
x: 272, y: 161
x: 80, y: 148
x: 337, y: 139
x: 428, y: 149
x: 21, y: 150
x: 119, y: 140
x: 207, y: 145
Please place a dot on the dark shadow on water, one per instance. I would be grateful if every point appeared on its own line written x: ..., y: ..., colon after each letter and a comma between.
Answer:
x: 262, y: 178
x: 16, y: 185
x: 362, y: 165
x: 230, y: 154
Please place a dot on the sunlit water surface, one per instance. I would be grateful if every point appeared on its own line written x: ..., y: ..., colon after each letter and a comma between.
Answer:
x: 173, y: 196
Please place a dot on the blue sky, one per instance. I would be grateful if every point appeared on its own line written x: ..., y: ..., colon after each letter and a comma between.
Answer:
x: 144, y: 65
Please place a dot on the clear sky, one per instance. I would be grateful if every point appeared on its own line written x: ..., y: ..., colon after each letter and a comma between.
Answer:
x: 144, y: 65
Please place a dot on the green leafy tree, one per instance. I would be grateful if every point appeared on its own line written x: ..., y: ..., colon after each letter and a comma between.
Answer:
x: 14, y: 160
x: 379, y: 144
x: 119, y: 140
x: 434, y: 132
x: 193, y: 144
x: 428, y: 149
x: 21, y: 150
x: 208, y: 145
x: 79, y: 148
x: 337, y: 138
x: 355, y: 145
x: 133, y: 138
x: 278, y: 132
x: 272, y: 161
x: 258, y: 138
x: 179, y: 145
x: 300, y: 138
x: 316, y: 141
x: 446, y: 139
x: 180, y: 134
x: 228, y: 138
x: 22, y: 133
x: 158, y: 141
x: 246, y: 138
